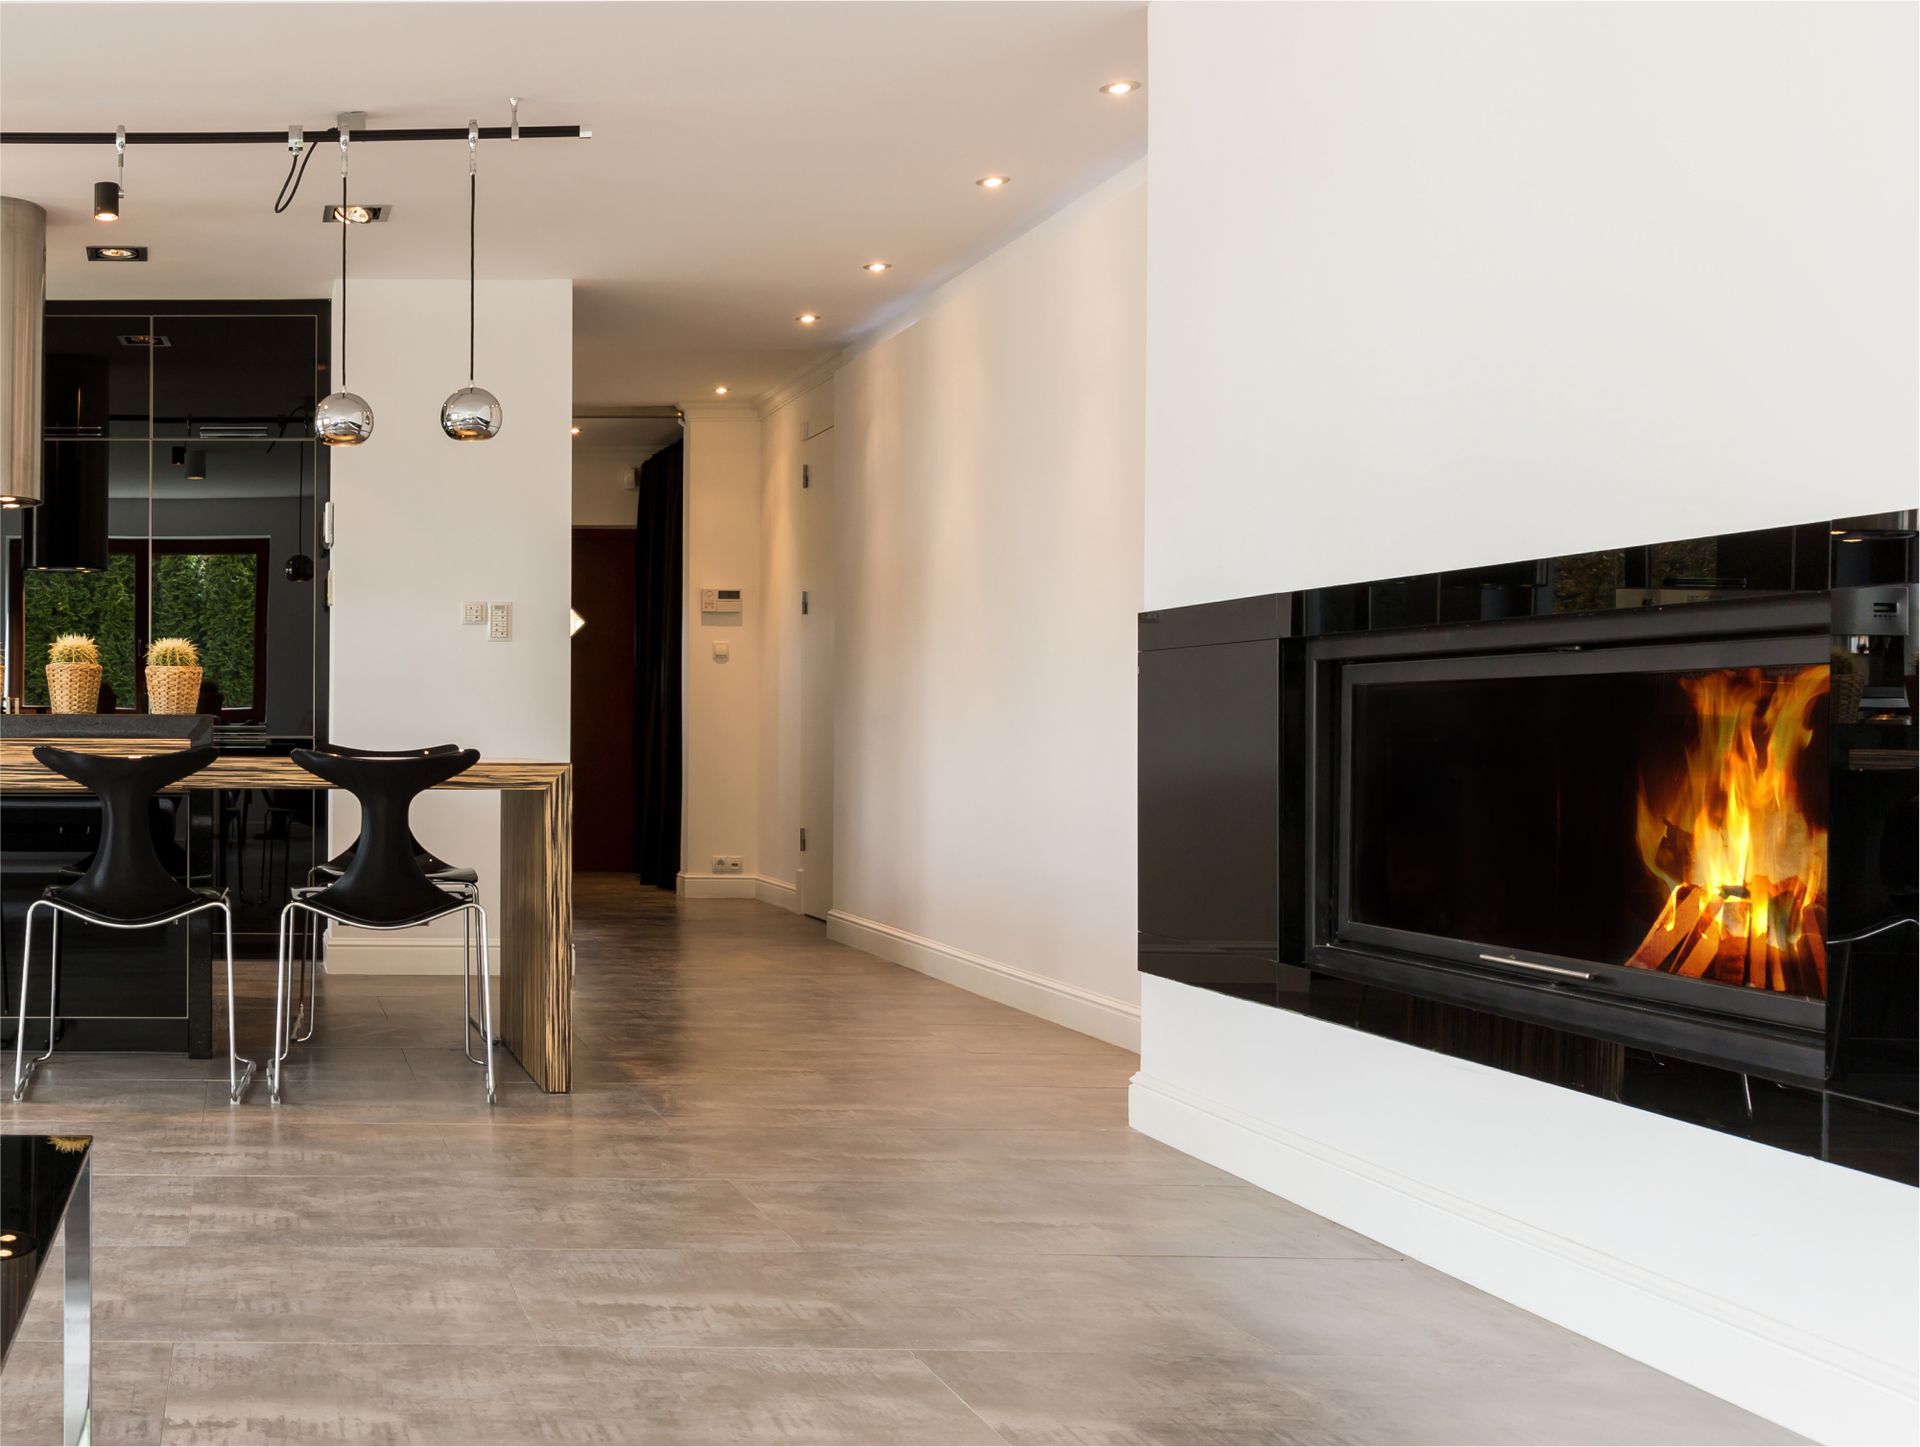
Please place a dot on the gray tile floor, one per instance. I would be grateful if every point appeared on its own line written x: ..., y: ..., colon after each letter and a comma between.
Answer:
x: 800, y: 1196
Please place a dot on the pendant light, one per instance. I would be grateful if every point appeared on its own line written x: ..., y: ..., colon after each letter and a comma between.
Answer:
x: 472, y: 414
x: 343, y: 419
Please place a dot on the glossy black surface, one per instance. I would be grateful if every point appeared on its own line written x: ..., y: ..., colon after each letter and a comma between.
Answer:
x: 232, y: 383
x: 1839, y: 1083
x: 37, y: 1177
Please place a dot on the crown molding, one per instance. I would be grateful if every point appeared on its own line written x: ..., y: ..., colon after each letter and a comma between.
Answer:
x: 710, y: 408
x: 801, y: 382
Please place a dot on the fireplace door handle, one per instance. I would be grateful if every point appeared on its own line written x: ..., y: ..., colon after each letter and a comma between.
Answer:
x: 1543, y: 969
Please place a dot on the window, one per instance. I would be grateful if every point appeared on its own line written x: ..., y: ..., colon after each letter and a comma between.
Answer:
x: 211, y: 590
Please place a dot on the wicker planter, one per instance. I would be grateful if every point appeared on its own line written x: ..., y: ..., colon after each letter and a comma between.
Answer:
x: 173, y: 690
x: 74, y: 687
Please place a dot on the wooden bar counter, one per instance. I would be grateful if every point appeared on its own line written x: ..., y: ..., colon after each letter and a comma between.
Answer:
x: 533, y: 932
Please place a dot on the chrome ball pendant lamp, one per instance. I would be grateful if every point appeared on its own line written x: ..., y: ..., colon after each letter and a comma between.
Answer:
x: 343, y: 418
x: 472, y: 414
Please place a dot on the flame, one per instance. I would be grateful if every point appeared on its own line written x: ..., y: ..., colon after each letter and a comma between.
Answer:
x: 1742, y: 854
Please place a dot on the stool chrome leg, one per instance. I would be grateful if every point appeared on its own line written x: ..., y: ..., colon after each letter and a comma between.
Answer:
x: 486, y: 998
x: 237, y: 1080
x: 23, y: 1067
x: 310, y: 978
x: 466, y: 984
x: 282, y: 1025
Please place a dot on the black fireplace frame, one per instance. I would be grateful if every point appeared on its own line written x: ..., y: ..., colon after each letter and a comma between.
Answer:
x: 1780, y: 1036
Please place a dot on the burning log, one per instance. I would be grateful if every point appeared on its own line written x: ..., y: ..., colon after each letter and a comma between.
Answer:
x: 1741, y: 852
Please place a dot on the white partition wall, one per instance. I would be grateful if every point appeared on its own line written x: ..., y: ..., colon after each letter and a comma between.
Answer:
x: 1440, y: 285
x: 424, y: 524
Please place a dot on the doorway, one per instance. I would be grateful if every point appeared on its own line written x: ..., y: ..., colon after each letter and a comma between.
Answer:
x: 626, y: 642
x: 603, y: 699
x: 814, y: 876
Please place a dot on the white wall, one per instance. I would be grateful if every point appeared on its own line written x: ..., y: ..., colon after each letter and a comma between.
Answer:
x: 988, y: 461
x: 720, y: 807
x: 602, y: 476
x: 1455, y: 283
x: 423, y: 524
x: 1458, y: 284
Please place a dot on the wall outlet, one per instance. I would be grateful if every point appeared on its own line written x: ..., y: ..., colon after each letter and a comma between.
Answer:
x: 499, y: 622
x: 473, y: 612
x: 726, y: 864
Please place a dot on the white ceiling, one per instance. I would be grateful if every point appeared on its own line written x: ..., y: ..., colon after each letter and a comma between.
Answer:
x: 746, y: 158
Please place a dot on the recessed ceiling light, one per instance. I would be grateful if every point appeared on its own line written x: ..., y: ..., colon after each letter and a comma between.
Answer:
x: 807, y: 319
x: 1120, y: 87
x: 574, y: 430
x: 994, y: 183
x: 876, y: 267
x: 116, y: 253
x: 721, y: 391
x: 356, y: 215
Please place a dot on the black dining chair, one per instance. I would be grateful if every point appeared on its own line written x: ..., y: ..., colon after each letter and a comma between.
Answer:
x: 123, y: 885
x: 456, y: 878
x: 383, y: 886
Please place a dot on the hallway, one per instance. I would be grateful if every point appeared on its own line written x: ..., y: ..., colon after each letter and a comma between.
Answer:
x: 799, y: 1195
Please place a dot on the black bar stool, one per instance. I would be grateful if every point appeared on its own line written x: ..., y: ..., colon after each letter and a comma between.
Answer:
x: 124, y: 885
x: 383, y: 886
x: 457, y: 879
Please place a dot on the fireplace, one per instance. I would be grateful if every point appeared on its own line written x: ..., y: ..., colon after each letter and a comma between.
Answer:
x: 1639, y: 823
x: 1607, y: 829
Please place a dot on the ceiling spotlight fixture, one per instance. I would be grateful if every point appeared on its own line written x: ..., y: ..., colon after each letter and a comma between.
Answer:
x: 343, y: 419
x: 574, y: 430
x: 876, y: 267
x: 472, y: 414
x: 116, y: 253
x: 196, y: 465
x: 107, y: 195
x: 355, y: 214
x: 574, y: 622
x: 807, y: 319
x: 1120, y: 87
x: 722, y: 390
x: 994, y: 183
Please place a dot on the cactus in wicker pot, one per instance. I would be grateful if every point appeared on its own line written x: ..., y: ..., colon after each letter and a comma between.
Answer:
x: 73, y: 674
x: 173, y: 676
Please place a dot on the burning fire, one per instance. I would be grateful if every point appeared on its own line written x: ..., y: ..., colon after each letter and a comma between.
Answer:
x: 1743, y: 857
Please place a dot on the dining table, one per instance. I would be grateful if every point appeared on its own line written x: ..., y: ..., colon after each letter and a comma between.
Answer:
x: 535, y: 924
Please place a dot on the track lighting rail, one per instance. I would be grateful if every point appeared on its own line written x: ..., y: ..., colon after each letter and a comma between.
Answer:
x: 279, y: 137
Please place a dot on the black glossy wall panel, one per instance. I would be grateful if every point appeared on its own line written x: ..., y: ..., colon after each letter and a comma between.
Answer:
x: 1210, y: 815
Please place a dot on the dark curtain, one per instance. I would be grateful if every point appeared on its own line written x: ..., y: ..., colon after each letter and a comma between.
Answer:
x: 658, y: 591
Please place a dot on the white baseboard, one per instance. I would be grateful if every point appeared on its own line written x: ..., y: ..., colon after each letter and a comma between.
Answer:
x: 776, y: 892
x: 1771, y: 1367
x: 1101, y: 1016
x: 398, y: 955
x: 714, y: 886
x: 738, y: 886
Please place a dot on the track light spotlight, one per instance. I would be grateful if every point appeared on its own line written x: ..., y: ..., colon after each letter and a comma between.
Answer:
x: 107, y: 195
x: 196, y: 465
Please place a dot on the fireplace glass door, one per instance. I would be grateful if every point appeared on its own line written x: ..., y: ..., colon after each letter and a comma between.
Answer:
x: 1628, y: 819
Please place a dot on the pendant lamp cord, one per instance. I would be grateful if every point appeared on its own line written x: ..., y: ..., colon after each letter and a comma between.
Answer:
x: 473, y: 206
x: 473, y: 211
x: 345, y: 227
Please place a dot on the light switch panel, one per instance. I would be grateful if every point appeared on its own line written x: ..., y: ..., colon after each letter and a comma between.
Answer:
x: 499, y: 622
x: 722, y: 651
x: 473, y: 612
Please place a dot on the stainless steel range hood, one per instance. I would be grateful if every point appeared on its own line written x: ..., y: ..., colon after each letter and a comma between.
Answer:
x: 23, y: 305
